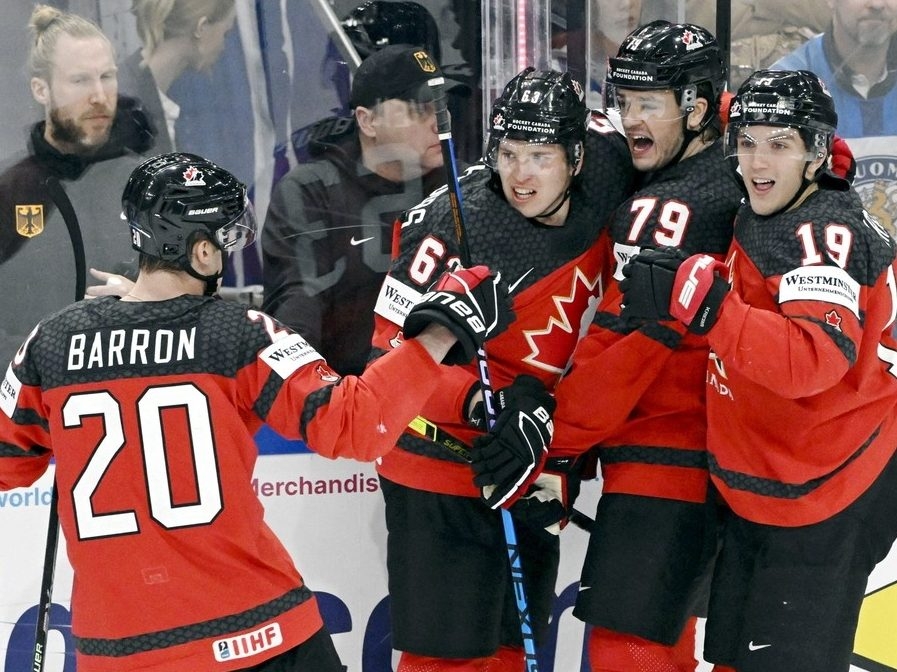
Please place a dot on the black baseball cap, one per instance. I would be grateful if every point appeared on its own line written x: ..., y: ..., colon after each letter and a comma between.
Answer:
x: 396, y: 71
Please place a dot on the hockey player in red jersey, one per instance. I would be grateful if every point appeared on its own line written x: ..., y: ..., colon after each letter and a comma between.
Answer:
x: 654, y: 534
x: 149, y: 405
x: 526, y: 214
x: 801, y: 389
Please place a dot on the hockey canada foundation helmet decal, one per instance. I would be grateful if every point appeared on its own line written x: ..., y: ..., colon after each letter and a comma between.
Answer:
x: 172, y: 196
x: 664, y: 55
x: 542, y: 107
x: 793, y: 98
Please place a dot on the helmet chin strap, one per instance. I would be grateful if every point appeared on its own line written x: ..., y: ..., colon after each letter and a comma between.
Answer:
x: 549, y: 213
x: 211, y: 281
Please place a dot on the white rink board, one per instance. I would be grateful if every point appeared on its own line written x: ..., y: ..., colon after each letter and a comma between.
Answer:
x: 337, y: 540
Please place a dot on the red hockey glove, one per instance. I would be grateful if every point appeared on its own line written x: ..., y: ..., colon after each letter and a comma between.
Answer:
x: 510, y: 457
x: 469, y: 302
x: 843, y: 163
x: 698, y: 292
x: 648, y: 284
x: 549, y: 500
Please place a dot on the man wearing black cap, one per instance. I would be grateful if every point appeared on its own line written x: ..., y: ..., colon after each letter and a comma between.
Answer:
x: 326, y: 239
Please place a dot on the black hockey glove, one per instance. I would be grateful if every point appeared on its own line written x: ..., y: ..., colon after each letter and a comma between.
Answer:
x: 510, y: 457
x: 647, y: 284
x: 470, y: 302
x: 549, y: 500
x: 698, y: 292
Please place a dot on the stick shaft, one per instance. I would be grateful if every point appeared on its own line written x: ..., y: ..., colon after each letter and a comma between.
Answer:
x: 42, y: 627
x: 444, y: 128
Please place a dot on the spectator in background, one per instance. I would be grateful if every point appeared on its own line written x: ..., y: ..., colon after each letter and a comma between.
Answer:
x: 56, y: 217
x: 856, y: 57
x: 176, y: 35
x: 327, y: 236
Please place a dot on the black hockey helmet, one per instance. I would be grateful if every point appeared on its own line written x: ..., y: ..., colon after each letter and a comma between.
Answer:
x: 375, y: 24
x: 172, y: 196
x: 541, y: 107
x: 683, y: 57
x: 794, y: 98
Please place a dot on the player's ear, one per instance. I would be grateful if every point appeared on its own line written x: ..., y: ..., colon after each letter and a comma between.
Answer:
x: 203, y: 253
x: 578, y: 158
x: 696, y: 116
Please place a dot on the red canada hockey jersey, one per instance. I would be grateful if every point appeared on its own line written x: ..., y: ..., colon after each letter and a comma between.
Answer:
x: 639, y: 391
x: 801, y: 386
x: 149, y: 410
x: 555, y: 277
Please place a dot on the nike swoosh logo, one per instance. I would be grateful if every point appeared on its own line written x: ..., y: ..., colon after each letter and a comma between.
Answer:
x: 511, y: 288
x: 757, y: 647
x: 360, y: 241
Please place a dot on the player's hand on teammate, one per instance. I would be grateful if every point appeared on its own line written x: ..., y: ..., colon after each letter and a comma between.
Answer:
x: 472, y: 303
x: 663, y: 283
x: 548, y: 502
x: 511, y: 455
x: 113, y: 285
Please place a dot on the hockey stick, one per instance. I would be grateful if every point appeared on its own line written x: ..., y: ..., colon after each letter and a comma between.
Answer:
x: 444, y: 130
x: 42, y: 628
x: 440, y: 437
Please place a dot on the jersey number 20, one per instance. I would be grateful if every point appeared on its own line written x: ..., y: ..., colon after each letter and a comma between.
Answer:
x: 161, y: 502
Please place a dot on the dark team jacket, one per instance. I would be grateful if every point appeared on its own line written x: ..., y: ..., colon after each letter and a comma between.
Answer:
x: 149, y: 410
x: 801, y: 387
x: 555, y: 275
x: 326, y: 244
x: 45, y: 257
x: 637, y: 391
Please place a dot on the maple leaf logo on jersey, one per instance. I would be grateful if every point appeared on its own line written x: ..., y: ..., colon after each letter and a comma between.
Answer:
x: 396, y: 340
x: 551, y: 347
x: 832, y: 319
x: 326, y: 374
x: 193, y: 177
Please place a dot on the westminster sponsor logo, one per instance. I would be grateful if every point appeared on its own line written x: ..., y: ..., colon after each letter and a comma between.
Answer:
x: 828, y: 284
x: 9, y: 392
x: 395, y: 300
x: 288, y: 354
x: 110, y: 348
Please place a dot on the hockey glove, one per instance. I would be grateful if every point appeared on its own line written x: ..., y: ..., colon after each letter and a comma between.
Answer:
x: 647, y: 284
x: 512, y: 454
x: 699, y: 292
x: 469, y: 302
x: 549, y: 500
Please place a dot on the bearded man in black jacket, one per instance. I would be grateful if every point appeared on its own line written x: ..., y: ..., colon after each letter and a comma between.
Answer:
x: 59, y: 205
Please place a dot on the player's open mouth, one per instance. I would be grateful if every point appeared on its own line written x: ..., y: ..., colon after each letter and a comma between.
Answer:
x: 640, y: 143
x: 524, y: 194
x: 762, y: 185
